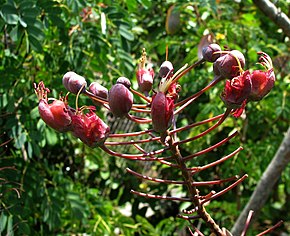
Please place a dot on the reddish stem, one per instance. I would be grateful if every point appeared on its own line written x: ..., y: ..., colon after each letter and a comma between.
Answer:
x: 140, y: 157
x: 154, y: 179
x: 132, y: 142
x: 225, y: 115
x: 141, y: 95
x: 247, y: 224
x: 130, y: 134
x: 200, y: 168
x: 184, y: 103
x: 161, y: 197
x: 195, y: 124
x: 211, y: 147
x: 218, y: 194
x: 139, y: 120
x: 271, y: 229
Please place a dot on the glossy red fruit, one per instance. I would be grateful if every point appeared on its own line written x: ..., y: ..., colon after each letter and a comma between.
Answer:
x: 145, y: 79
x: 162, y: 111
x: 74, y: 82
x: 237, y: 90
x: 55, y: 114
x: 262, y: 81
x: 227, y: 66
x: 209, y: 52
x: 120, y: 97
x: 89, y: 128
x: 98, y: 90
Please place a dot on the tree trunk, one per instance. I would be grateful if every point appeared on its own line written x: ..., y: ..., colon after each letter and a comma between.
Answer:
x: 266, y: 184
x: 278, y: 17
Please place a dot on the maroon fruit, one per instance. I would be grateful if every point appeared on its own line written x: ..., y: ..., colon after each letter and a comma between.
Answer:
x: 55, y: 114
x: 98, y: 90
x: 229, y: 65
x: 74, y: 82
x: 262, y: 81
x: 145, y: 79
x: 89, y: 128
x: 210, y: 53
x: 237, y: 90
x: 162, y: 111
x: 120, y: 97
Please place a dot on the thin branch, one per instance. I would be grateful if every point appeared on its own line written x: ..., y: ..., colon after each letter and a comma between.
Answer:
x: 247, y: 223
x: 271, y: 229
x: 211, y: 147
x: 195, y: 124
x: 140, y: 157
x: 166, y: 181
x: 201, y: 168
x: 160, y: 197
x: 218, y: 194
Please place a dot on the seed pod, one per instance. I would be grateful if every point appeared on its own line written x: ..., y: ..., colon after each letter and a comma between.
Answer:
x: 166, y: 69
x: 89, y: 128
x: 227, y: 65
x: 99, y: 91
x: 237, y: 90
x: 209, y: 53
x: 162, y: 111
x: 262, y: 81
x: 74, y: 82
x: 120, y: 97
x: 56, y: 114
x: 145, y: 79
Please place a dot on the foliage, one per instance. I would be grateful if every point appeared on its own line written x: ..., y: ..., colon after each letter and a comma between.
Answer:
x: 66, y: 187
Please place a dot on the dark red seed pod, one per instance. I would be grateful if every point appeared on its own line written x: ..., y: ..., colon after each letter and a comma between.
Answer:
x: 98, y: 90
x: 55, y: 114
x: 237, y: 90
x: 227, y: 66
x: 262, y: 83
x: 162, y: 111
x: 74, y: 82
x: 145, y: 79
x: 120, y: 97
x: 89, y: 128
x: 210, y: 54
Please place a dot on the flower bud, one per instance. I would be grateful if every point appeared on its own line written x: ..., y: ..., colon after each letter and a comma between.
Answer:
x: 166, y: 69
x: 262, y: 81
x: 74, y: 82
x: 237, y: 90
x: 56, y: 114
x: 227, y: 66
x: 209, y: 54
x: 89, y: 128
x: 145, y: 79
x: 120, y: 97
x: 99, y: 91
x: 162, y: 111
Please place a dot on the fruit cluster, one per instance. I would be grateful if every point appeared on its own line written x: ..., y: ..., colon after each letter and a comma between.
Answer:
x: 240, y: 87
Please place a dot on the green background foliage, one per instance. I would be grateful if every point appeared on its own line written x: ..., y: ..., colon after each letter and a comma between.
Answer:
x: 52, y: 184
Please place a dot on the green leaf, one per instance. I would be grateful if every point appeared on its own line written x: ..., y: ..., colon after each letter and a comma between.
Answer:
x: 132, y: 5
x: 10, y: 226
x: 20, y: 140
x: 3, y: 221
x: 126, y: 33
x: 35, y: 44
x: 10, y: 14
